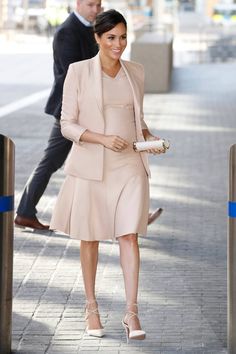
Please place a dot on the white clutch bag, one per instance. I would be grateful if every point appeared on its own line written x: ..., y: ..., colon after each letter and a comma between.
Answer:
x: 153, y: 144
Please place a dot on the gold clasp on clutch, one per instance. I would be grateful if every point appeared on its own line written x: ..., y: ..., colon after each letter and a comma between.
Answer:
x: 166, y: 145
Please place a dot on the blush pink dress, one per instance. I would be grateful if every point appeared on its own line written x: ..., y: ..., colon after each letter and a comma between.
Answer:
x: 118, y: 205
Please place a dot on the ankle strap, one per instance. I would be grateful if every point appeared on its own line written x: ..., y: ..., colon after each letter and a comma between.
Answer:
x: 89, y: 312
x: 90, y: 302
x: 131, y: 305
x: 129, y: 315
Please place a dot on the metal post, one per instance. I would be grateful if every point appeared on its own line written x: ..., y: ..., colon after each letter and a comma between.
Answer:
x: 232, y: 253
x: 6, y: 241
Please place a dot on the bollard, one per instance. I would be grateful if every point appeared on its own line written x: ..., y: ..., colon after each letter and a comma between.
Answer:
x: 7, y: 158
x: 231, y: 257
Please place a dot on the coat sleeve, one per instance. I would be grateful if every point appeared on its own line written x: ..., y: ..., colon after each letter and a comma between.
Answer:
x: 70, y: 127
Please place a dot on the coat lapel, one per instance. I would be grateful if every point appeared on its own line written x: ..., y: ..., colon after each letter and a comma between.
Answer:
x: 97, y: 81
x: 133, y: 84
x: 137, y: 98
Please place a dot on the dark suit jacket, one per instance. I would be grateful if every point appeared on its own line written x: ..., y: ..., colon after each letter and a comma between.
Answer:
x: 72, y: 42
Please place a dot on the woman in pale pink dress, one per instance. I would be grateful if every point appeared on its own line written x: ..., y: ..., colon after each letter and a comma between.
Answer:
x: 106, y: 192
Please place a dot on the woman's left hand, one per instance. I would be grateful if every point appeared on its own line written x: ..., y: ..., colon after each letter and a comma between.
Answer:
x: 151, y: 137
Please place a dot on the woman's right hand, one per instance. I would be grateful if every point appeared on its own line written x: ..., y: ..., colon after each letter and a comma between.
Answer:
x: 114, y: 143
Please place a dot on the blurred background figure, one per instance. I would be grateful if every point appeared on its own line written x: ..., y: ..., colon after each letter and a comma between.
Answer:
x: 55, y: 14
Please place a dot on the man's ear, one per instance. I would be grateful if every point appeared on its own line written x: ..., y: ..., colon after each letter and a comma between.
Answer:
x: 77, y: 4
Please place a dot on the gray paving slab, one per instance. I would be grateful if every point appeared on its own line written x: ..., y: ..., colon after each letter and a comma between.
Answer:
x: 183, y: 272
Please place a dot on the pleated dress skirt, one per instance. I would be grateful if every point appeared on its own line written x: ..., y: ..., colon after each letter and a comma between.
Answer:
x: 118, y: 205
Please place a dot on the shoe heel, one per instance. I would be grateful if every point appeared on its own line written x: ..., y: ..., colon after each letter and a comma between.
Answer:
x: 99, y: 332
x: 134, y: 334
x: 126, y: 331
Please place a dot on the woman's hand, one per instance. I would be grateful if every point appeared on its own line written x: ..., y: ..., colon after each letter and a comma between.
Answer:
x: 114, y: 143
x: 149, y: 137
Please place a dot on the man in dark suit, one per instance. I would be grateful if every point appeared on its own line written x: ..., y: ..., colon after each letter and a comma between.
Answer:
x: 73, y: 41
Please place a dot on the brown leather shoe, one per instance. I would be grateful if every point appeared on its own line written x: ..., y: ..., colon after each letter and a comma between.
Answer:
x: 33, y: 223
x: 154, y: 215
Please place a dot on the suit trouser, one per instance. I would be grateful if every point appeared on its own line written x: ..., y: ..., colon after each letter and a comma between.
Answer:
x: 54, y: 156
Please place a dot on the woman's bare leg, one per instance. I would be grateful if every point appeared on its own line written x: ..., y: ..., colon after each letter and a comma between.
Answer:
x: 130, y: 263
x: 89, y: 261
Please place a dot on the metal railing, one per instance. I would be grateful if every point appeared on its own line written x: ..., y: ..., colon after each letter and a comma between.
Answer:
x: 7, y: 172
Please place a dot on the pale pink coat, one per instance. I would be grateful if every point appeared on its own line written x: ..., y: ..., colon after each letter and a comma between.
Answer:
x: 83, y: 109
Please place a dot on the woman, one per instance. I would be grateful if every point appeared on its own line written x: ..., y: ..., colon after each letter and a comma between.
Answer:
x: 106, y: 180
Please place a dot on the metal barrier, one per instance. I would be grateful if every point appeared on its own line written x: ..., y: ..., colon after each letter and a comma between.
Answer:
x: 7, y: 163
x: 232, y: 253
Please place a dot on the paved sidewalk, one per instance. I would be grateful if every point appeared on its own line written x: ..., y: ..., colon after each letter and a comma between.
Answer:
x: 183, y: 273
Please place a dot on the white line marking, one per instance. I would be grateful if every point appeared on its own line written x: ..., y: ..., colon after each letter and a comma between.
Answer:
x: 24, y: 102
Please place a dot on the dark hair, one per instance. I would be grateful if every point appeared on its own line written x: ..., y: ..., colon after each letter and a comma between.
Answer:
x: 107, y: 20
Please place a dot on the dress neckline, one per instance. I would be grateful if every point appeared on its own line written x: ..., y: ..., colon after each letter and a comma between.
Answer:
x: 115, y: 77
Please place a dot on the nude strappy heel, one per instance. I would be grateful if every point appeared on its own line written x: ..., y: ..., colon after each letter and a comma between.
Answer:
x: 135, y: 334
x: 99, y: 332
